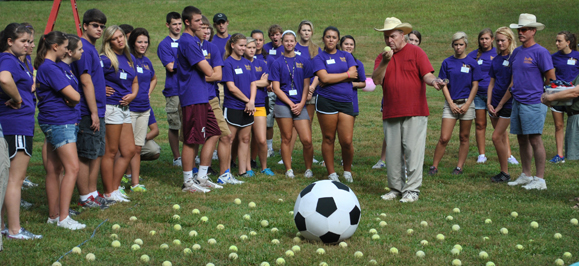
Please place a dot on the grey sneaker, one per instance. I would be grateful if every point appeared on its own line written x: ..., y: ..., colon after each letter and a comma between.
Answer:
x: 23, y: 234
x: 537, y: 183
x: 193, y: 186
x: 309, y: 173
x: 270, y: 153
x: 409, y: 196
x: 228, y: 178
x: 53, y: 221
x: 522, y: 180
x: 71, y: 224
x: 25, y: 204
x: 348, y: 177
x: 334, y: 177
x: 28, y: 183
x: 215, y: 156
x: 207, y: 182
x: 290, y: 173
x: 379, y: 164
x: 177, y: 162
x: 390, y: 195
x: 104, y: 201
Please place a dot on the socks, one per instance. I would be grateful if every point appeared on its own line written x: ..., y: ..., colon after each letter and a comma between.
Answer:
x: 187, y: 175
x: 84, y: 197
x: 203, y: 171
x: 129, y: 176
x: 94, y: 194
x: 270, y: 144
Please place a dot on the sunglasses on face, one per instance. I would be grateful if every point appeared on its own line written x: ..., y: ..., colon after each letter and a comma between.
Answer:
x: 96, y: 26
x: 523, y: 30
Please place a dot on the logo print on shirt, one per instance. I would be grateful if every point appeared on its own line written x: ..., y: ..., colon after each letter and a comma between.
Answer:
x: 528, y: 60
x: 492, y: 57
x: 299, y: 65
x: 343, y: 59
x: 208, y: 56
x: 258, y: 69
x: 248, y: 67
x: 146, y: 67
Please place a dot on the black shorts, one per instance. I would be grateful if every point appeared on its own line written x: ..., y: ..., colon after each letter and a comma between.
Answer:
x: 90, y: 144
x: 238, y: 118
x: 558, y: 109
x: 18, y: 143
x: 504, y: 113
x: 329, y: 107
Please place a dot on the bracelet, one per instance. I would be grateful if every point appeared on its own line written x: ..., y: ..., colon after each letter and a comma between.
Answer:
x: 348, y: 74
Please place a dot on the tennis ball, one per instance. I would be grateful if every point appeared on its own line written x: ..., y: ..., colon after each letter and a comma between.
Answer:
x: 383, y: 214
x: 135, y: 247
x: 394, y: 250
x: 233, y: 256
x: 483, y: 255
x: 373, y: 231
x: 378, y: 219
x: 233, y: 248
x: 193, y: 233
x: 212, y: 241
x: 504, y: 231
x: 243, y: 237
x: 246, y: 217
x: 252, y: 233
x: 456, y: 227
x: 323, y: 263
x: 220, y: 227
x: 449, y: 218
x: 420, y: 254
x: 557, y: 236
x: 375, y: 237
x: 424, y: 242
x: 204, y: 219
x: 133, y: 218
x: 457, y: 246
x: 291, y: 212
x: 514, y: 214
x: 237, y: 201
x: 454, y: 251
x: 440, y: 237
x: 265, y: 263
x: 187, y: 251
x: 56, y: 263
x: 209, y: 264
x: 456, y: 210
x: 114, y: 236
x: 297, y: 240
x: 90, y: 257
x: 116, y: 227
x: 387, y: 49
x: 145, y: 258
x: 275, y: 242
x: 320, y: 251
x: 373, y: 262
x: 488, y: 221
x: 297, y: 248
x: 280, y: 261
x: 196, y: 211
x: 559, y: 262
x: 116, y: 244
x: 177, y: 227
x: 574, y: 221
x: 298, y: 234
x: 196, y: 247
x: 358, y: 254
x: 289, y: 253
x: 519, y: 247
x: 164, y: 246
x: 264, y: 223
x: 485, y: 238
x: 280, y: 200
x: 274, y: 230
x: 409, y: 231
x: 152, y: 232
x: 383, y: 224
x: 456, y: 262
x: 490, y: 263
x: 138, y: 241
x: 177, y: 242
x: 343, y: 244
x: 167, y: 263
x: 176, y: 207
x: 534, y: 224
x: 567, y: 255
x: 251, y: 204
x: 424, y: 224
x: 176, y: 217
x: 76, y: 250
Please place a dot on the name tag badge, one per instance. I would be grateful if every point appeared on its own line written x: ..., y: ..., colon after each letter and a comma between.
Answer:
x: 102, y: 65
x: 506, y: 63
x: 298, y: 52
x: 293, y: 92
x: 273, y: 52
x: 571, y: 62
x: 480, y: 61
x: 123, y: 75
x: 140, y: 70
x: 174, y: 44
x: 330, y: 61
x: 464, y: 69
x: 204, y: 52
x: 238, y: 71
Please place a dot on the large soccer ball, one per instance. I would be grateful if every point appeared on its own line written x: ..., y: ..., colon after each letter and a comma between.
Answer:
x: 328, y: 211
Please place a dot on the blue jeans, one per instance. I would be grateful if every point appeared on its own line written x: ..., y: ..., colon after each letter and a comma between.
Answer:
x: 480, y: 103
x: 59, y: 135
x: 528, y: 119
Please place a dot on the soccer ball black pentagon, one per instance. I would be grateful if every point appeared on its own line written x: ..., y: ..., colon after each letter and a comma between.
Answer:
x: 328, y: 211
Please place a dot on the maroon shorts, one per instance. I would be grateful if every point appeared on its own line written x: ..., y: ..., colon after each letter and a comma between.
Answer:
x: 199, y: 123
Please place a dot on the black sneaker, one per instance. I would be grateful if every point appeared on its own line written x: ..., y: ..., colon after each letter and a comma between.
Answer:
x: 457, y: 171
x: 210, y: 171
x: 72, y: 212
x: 233, y: 165
x: 433, y: 170
x: 244, y: 175
x: 501, y: 177
x: 253, y: 164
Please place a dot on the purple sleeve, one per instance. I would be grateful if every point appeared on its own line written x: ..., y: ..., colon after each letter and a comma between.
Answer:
x: 477, y: 74
x: 81, y: 66
x: 192, y: 53
x: 55, y: 78
x: 545, y: 60
x: 308, y: 69
x: 492, y: 70
x: 253, y: 74
x: 350, y: 59
x: 275, y: 72
x: 361, y: 72
x: 443, y: 73
x: 318, y: 63
x: 227, y: 73
x: 218, y: 58
x: 165, y: 53
x: 107, y: 66
x: 150, y: 67
x: 152, y: 119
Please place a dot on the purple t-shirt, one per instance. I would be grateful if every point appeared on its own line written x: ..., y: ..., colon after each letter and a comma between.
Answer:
x: 339, y: 62
x: 145, y: 73
x: 502, y: 72
x: 73, y: 82
x: 260, y: 67
x: 52, y: 108
x: 192, y: 84
x: 361, y: 78
x: 220, y: 43
x: 290, y: 72
x: 529, y: 65
x: 30, y: 68
x: 167, y: 52
x: 304, y: 50
x: 275, y: 53
x: 17, y: 121
x: 484, y: 62
x: 242, y: 75
x: 460, y: 73
x: 121, y: 81
x: 566, y: 65
x: 214, y: 58
x: 91, y: 63
x: 152, y: 119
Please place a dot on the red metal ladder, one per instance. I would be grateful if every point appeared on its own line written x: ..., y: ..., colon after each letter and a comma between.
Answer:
x: 54, y: 14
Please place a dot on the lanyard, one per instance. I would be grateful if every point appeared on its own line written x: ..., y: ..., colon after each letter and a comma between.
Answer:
x: 291, y: 73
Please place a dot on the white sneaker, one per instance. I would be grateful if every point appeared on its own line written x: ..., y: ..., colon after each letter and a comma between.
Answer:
x: 348, y: 177
x: 197, y: 160
x: 334, y: 177
x: 537, y: 183
x: 315, y: 161
x: 228, y: 178
x: 521, y: 180
x: 309, y: 173
x: 270, y: 153
x: 481, y: 159
x: 215, y: 156
x: 192, y: 185
x: 513, y: 160
x: 379, y: 164
x: 71, y: 224
x: 207, y: 182
x: 177, y: 162
x: 290, y: 173
x: 122, y: 192
x: 281, y: 161
x: 390, y: 195
x: 409, y: 196
x: 115, y: 197
x: 53, y: 221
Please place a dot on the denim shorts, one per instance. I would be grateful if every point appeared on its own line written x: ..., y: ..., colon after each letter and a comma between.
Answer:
x: 480, y: 103
x: 59, y: 135
x: 528, y: 119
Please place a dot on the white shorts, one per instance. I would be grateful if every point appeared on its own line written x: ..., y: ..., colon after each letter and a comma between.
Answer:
x: 140, y: 121
x: 117, y: 115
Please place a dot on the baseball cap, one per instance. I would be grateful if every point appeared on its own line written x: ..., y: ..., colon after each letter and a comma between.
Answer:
x: 219, y: 17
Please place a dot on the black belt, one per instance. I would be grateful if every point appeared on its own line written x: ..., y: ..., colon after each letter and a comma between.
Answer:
x: 572, y: 113
x: 459, y: 101
x: 123, y: 107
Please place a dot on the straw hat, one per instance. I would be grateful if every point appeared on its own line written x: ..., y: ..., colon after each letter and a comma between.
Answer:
x: 528, y: 21
x: 393, y: 23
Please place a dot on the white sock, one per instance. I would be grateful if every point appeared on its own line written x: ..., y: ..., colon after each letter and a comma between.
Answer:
x: 187, y: 175
x: 482, y: 155
x: 94, y: 194
x: 270, y: 144
x: 84, y: 197
x: 129, y: 176
x: 203, y: 171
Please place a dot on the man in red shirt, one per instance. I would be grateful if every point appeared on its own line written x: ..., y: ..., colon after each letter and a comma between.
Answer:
x: 403, y: 72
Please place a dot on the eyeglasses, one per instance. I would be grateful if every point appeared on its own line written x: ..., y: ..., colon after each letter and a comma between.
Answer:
x: 95, y: 25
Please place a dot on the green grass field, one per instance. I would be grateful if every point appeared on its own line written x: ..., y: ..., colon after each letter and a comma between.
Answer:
x: 472, y: 192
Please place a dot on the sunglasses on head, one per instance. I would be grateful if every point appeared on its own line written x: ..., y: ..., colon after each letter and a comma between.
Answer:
x: 95, y: 25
